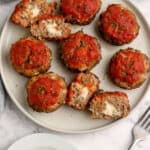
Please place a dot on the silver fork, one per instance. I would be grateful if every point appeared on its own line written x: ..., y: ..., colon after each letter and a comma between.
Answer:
x: 141, y: 129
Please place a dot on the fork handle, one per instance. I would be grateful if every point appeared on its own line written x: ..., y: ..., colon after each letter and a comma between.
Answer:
x: 133, y: 145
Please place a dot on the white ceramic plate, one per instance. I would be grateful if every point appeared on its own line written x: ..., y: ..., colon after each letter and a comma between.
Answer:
x: 66, y: 119
x: 41, y: 141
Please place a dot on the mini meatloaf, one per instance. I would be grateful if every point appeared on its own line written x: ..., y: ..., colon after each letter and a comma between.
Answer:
x: 80, y: 51
x: 82, y: 89
x: 80, y: 11
x: 28, y: 12
x: 118, y: 25
x: 46, y: 92
x: 51, y: 28
x: 30, y: 56
x: 129, y: 68
x: 109, y: 105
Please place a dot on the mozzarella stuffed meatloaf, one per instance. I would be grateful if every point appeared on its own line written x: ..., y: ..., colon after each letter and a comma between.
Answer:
x: 51, y: 28
x: 46, y: 92
x: 109, y: 105
x: 28, y: 12
x: 81, y: 90
x: 118, y: 25
x: 80, y: 11
x: 129, y: 68
x: 30, y: 56
x: 80, y: 52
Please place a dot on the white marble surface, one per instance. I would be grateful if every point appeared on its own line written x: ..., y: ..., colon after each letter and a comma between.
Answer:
x: 14, y: 125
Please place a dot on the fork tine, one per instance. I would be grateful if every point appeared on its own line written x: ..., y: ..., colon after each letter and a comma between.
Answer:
x: 144, y: 122
x: 143, y: 117
x: 147, y: 125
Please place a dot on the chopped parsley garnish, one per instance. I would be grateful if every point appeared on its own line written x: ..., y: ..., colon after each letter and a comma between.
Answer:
x: 115, y: 25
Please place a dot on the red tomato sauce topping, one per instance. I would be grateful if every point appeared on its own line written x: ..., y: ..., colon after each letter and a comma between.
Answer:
x: 44, y: 92
x: 116, y: 93
x: 127, y: 66
x: 119, y: 23
x: 20, y: 6
x: 25, y: 1
x: 80, y: 50
x: 80, y: 9
x: 30, y: 54
x: 70, y: 95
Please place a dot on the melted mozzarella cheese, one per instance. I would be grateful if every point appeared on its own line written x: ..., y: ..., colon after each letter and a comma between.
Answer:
x: 110, y: 110
x: 84, y: 92
x: 52, y: 29
x: 34, y: 10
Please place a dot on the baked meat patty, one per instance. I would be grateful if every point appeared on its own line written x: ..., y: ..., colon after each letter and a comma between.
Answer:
x: 28, y: 12
x: 51, y: 28
x: 46, y: 92
x: 129, y: 68
x: 80, y: 51
x: 80, y: 11
x: 118, y: 25
x: 30, y: 56
x: 109, y: 105
x: 82, y: 89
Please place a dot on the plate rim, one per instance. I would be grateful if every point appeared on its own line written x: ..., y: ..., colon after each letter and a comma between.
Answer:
x: 42, y: 134
x: 28, y: 115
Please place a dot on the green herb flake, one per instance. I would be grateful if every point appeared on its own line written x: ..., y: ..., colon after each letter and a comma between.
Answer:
x: 123, y: 74
x: 82, y: 44
x: 115, y: 25
x: 30, y: 62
